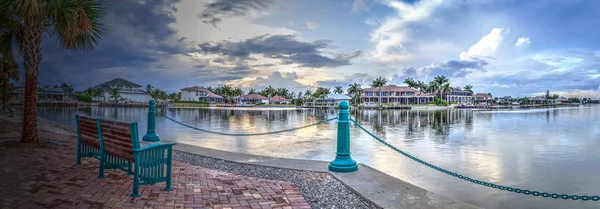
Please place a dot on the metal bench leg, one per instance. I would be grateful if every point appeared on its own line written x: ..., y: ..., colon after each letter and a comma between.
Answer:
x: 78, y: 153
x: 169, y: 168
x: 136, y: 177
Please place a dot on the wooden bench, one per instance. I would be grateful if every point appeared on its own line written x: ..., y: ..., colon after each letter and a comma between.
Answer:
x: 119, y: 148
x: 88, y: 144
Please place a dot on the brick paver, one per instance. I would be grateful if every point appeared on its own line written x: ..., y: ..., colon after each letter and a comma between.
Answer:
x: 45, y: 176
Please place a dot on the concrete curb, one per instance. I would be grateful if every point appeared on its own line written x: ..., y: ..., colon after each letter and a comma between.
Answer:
x: 375, y: 186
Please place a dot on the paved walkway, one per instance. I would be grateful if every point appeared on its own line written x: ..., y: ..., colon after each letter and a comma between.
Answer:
x: 44, y: 176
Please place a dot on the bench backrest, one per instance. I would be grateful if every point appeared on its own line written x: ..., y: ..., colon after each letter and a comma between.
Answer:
x: 119, y: 138
x: 87, y: 130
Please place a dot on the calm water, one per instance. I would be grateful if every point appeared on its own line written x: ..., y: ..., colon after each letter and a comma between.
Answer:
x: 552, y: 150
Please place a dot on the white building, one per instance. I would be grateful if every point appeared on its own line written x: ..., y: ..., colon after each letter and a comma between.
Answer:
x: 128, y: 91
x: 198, y: 94
x: 332, y: 99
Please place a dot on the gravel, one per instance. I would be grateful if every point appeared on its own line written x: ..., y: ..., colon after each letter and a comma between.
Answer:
x: 321, y: 190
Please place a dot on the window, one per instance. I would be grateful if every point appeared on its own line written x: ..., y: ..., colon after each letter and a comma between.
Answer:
x: 410, y: 93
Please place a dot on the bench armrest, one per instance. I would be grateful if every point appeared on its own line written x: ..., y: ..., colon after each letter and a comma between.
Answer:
x: 155, y: 146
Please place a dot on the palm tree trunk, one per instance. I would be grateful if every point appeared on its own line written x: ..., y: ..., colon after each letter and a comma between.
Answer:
x: 4, y: 93
x: 31, y: 47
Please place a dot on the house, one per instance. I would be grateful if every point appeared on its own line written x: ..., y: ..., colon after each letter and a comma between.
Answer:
x: 395, y: 94
x: 252, y: 99
x: 539, y: 100
x: 198, y: 94
x: 561, y: 100
x: 483, y: 98
x: 279, y: 100
x: 332, y: 99
x: 459, y: 96
x: 44, y: 95
x: 128, y: 91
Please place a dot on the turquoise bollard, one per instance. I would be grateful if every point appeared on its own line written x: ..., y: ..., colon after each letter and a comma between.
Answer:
x: 151, y: 133
x: 343, y: 162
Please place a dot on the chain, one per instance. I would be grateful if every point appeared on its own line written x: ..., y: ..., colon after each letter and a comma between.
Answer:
x: 240, y: 134
x: 466, y: 178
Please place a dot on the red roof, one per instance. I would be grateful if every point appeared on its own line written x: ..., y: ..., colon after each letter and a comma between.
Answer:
x: 277, y: 98
x: 253, y: 96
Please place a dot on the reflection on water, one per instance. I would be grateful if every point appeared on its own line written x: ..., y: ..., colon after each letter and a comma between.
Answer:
x: 554, y: 150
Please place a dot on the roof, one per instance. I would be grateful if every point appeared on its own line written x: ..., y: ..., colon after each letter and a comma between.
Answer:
x: 253, y: 96
x: 213, y: 95
x: 484, y: 95
x: 538, y: 98
x: 338, y: 97
x: 135, y: 91
x: 392, y: 88
x: 194, y: 88
x: 120, y: 82
x: 277, y: 98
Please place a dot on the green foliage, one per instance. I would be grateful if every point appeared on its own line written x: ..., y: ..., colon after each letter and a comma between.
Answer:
x: 190, y: 102
x: 321, y: 92
x: 338, y: 90
x: 439, y: 101
x: 574, y: 100
x: 84, y: 98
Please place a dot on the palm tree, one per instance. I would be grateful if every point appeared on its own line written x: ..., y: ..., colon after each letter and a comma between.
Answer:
x: 66, y: 87
x: 468, y: 88
x: 8, y: 70
x: 307, y: 93
x: 282, y: 92
x: 23, y: 25
x: 441, y: 82
x: 355, y: 90
x: 444, y: 89
x: 411, y: 82
x: 252, y: 91
x: 114, y: 94
x: 149, y: 88
x: 98, y: 92
x: 338, y: 90
x: 270, y: 91
x: 378, y: 83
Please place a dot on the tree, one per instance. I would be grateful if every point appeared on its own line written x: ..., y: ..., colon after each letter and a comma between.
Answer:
x: 355, y: 90
x: 114, y: 94
x: 321, y: 92
x: 149, y: 88
x: 338, y: 90
x: 307, y: 93
x: 66, y: 87
x: 9, y: 70
x: 378, y: 83
x: 548, y: 94
x: 252, y: 91
x: 23, y: 24
x: 282, y: 92
x: 445, y: 88
x: 411, y: 83
x: 440, y: 82
x: 468, y: 88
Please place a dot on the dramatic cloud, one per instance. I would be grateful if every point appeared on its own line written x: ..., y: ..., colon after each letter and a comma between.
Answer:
x: 312, y: 25
x: 486, y: 47
x: 276, y: 80
x: 363, y: 79
x: 216, y: 11
x: 523, y: 41
x: 285, y: 48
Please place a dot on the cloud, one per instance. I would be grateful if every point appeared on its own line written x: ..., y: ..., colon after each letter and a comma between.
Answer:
x: 286, y: 49
x: 363, y: 79
x: 392, y: 36
x: 486, y: 46
x: 359, y: 5
x: 219, y: 9
x: 523, y: 41
x: 276, y: 80
x: 312, y: 25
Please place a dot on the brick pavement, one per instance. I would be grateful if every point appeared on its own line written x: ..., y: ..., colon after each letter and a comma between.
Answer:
x: 45, y: 176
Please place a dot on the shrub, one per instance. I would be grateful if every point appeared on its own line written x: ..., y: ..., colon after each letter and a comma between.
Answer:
x: 84, y: 98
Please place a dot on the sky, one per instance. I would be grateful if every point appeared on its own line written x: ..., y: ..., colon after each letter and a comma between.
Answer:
x: 504, y: 47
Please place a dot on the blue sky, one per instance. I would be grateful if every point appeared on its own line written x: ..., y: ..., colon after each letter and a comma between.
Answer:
x: 506, y: 47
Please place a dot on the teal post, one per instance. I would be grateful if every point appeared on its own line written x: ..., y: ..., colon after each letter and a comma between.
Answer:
x: 343, y: 162
x: 151, y: 133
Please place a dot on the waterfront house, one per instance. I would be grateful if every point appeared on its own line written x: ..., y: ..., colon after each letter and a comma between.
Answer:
x: 44, y: 95
x: 483, y: 98
x: 198, y: 94
x: 455, y: 95
x: 561, y: 100
x: 539, y: 100
x: 128, y: 91
x: 252, y: 99
x: 279, y: 100
x: 332, y: 99
x: 395, y: 94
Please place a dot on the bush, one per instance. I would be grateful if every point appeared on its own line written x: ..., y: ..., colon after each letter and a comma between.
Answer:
x: 260, y: 103
x: 190, y: 102
x: 84, y: 98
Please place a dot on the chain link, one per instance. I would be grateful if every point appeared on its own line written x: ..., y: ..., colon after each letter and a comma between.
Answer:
x: 495, y: 186
x: 251, y: 134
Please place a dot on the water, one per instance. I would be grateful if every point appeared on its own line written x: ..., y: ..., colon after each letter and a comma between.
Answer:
x: 549, y: 150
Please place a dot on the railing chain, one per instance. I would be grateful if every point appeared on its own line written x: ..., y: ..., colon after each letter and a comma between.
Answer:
x: 480, y: 182
x: 250, y: 134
